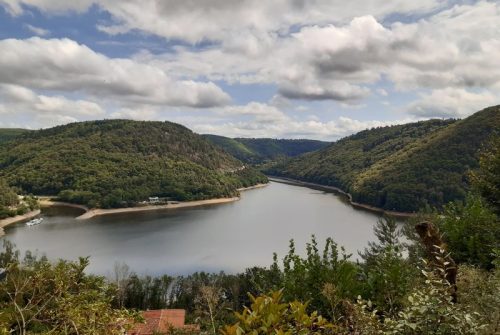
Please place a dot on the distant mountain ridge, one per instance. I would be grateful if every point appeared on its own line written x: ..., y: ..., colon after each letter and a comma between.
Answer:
x: 115, y: 163
x: 404, y: 167
x: 7, y: 134
x: 259, y: 150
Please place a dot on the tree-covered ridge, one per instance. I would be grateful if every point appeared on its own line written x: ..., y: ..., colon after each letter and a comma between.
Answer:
x: 258, y: 150
x: 434, y: 171
x: 115, y: 163
x: 442, y: 278
x: 401, y: 167
x: 7, y: 134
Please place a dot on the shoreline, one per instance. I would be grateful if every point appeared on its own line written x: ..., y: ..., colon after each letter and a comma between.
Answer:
x: 91, y: 213
x: 252, y: 187
x: 395, y: 214
x: 18, y: 218
x: 188, y: 204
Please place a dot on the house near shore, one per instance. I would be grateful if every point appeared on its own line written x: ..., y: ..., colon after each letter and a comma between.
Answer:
x: 162, y: 321
x: 154, y: 200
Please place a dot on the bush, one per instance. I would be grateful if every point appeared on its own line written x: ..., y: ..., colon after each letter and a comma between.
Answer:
x: 471, y: 231
x: 268, y: 314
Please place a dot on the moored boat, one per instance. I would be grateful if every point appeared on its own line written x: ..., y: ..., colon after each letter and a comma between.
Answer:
x: 34, y: 222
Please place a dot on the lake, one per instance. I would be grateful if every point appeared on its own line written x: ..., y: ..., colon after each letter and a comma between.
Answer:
x: 228, y: 237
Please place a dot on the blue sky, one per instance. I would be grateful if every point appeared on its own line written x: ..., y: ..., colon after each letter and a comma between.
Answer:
x: 319, y: 69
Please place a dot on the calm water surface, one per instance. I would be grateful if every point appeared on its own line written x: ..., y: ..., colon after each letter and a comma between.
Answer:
x: 227, y: 237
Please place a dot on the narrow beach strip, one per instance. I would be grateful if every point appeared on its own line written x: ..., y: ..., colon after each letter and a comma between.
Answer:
x: 18, y: 218
x: 252, y: 187
x: 395, y: 214
x: 188, y: 204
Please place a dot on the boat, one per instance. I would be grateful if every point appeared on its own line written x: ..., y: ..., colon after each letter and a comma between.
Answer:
x: 34, y: 222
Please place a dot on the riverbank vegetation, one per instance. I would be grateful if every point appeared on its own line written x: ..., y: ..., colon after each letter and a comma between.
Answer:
x: 11, y: 204
x: 437, y: 275
x: 117, y: 163
x: 404, y: 167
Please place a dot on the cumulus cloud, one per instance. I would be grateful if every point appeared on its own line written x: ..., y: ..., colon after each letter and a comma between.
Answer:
x: 262, y: 113
x: 42, y: 110
x: 459, y: 47
x: 450, y: 103
x: 65, y: 66
x: 312, y: 128
x: 17, y: 7
x: 312, y: 50
x: 269, y: 121
x: 219, y: 19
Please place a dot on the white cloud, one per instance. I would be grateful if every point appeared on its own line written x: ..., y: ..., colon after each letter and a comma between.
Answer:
x: 459, y: 47
x: 194, y: 21
x: 262, y: 113
x: 304, y: 50
x: 62, y: 65
x: 37, y: 30
x: 143, y: 113
x: 269, y: 121
x: 451, y: 103
x: 42, y: 110
x: 15, y: 7
x: 313, y: 129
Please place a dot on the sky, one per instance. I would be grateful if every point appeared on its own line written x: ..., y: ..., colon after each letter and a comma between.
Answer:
x: 319, y: 69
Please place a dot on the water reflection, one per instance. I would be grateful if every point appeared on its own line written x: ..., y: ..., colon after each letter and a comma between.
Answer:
x: 227, y: 237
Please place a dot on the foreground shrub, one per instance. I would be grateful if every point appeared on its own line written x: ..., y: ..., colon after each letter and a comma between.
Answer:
x: 268, y: 314
x: 39, y: 297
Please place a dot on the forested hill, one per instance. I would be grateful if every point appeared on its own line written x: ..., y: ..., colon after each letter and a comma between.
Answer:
x: 403, y: 167
x: 115, y: 163
x: 258, y: 150
x: 7, y: 134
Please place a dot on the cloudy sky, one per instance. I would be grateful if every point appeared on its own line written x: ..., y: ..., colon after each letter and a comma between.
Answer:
x: 278, y: 68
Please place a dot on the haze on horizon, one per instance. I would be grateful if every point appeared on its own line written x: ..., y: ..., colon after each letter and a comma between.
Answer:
x: 318, y: 69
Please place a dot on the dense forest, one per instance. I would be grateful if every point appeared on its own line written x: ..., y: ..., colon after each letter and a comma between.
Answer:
x: 404, y: 167
x: 116, y: 163
x: 259, y: 150
x: 438, y: 275
x: 7, y: 134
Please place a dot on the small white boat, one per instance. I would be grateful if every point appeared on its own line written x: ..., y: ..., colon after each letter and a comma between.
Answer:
x: 34, y: 222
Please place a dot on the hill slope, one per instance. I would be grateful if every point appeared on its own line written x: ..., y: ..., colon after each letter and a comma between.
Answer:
x: 7, y: 134
x: 401, y: 167
x: 115, y: 163
x: 258, y: 150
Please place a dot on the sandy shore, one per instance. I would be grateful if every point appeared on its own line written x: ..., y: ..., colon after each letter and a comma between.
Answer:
x: 354, y: 204
x: 18, y: 218
x: 46, y: 201
x: 252, y: 187
x: 188, y: 204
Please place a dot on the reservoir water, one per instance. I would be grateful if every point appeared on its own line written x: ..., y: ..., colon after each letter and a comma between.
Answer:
x: 228, y: 237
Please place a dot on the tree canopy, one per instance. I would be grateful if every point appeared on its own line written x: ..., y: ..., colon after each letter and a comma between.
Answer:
x: 404, y: 167
x: 115, y: 163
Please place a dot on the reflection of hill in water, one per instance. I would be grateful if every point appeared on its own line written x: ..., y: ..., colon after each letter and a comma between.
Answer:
x: 229, y: 237
x: 64, y: 211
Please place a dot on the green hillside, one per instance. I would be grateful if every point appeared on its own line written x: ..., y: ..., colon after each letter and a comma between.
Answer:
x: 7, y: 134
x: 234, y: 148
x: 115, y: 163
x: 258, y: 150
x: 401, y: 167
